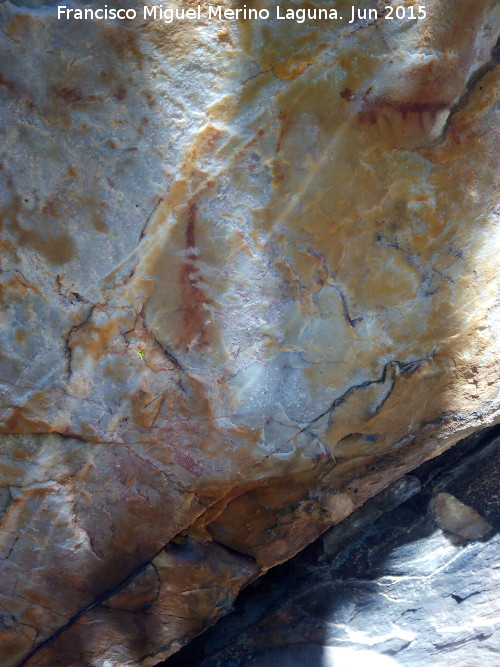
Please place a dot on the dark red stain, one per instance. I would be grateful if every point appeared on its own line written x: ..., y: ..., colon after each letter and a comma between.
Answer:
x: 194, y: 299
x: 285, y: 126
x: 120, y: 93
x: 372, y: 113
x: 69, y: 95
x: 73, y: 97
x: 185, y: 460
x: 405, y: 108
x: 190, y: 229
x: 7, y: 84
x: 371, y: 110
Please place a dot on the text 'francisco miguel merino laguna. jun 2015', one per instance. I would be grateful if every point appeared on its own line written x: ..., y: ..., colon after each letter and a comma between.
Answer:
x: 216, y: 12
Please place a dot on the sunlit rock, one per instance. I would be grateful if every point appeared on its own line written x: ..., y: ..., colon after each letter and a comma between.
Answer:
x: 386, y: 586
x: 249, y: 277
x: 457, y: 519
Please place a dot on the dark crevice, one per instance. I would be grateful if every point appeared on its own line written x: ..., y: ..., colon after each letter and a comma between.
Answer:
x: 148, y: 219
x: 166, y: 352
x: 407, y: 368
x: 98, y: 601
x: 234, y: 552
x: 458, y: 599
x: 352, y: 322
x: 67, y: 338
x: 471, y: 84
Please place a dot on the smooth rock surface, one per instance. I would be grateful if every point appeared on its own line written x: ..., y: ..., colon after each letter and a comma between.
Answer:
x: 387, y: 586
x: 249, y: 277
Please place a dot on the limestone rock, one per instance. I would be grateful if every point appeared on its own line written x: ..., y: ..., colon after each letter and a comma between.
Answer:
x: 249, y: 277
x: 454, y: 517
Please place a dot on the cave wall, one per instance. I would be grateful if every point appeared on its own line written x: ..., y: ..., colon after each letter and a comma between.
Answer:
x: 249, y: 278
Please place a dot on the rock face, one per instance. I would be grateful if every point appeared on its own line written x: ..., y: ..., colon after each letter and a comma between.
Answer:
x: 390, y: 585
x: 249, y: 277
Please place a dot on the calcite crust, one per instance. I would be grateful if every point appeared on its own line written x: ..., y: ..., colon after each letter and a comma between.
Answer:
x: 249, y: 277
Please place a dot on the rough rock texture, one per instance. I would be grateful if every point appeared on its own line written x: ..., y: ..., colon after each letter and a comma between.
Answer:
x: 249, y: 277
x: 391, y: 585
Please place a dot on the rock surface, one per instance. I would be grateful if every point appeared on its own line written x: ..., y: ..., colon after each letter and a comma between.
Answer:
x: 387, y: 586
x: 249, y: 277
